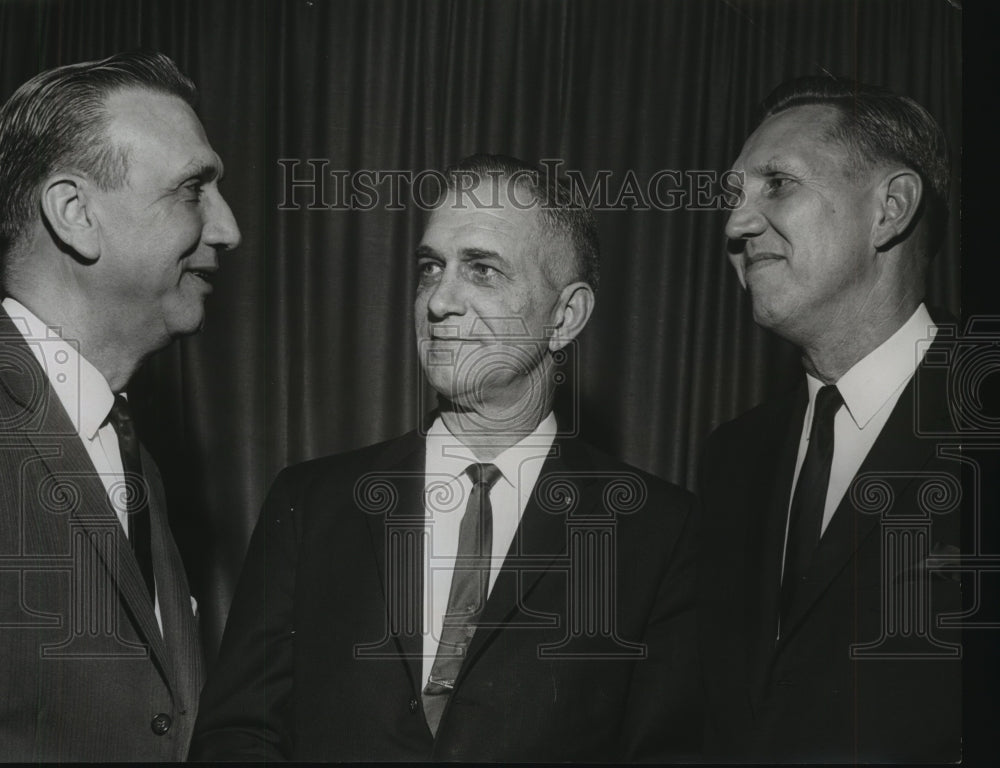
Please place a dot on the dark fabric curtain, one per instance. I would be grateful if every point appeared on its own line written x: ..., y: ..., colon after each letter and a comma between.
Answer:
x: 309, y: 346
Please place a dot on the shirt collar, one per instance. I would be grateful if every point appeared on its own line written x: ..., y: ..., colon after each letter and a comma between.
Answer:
x: 448, y: 454
x: 874, y: 379
x: 80, y: 387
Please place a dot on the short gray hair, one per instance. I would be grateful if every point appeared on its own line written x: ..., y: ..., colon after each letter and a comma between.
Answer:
x: 58, y: 119
x: 877, y: 125
x: 560, y: 207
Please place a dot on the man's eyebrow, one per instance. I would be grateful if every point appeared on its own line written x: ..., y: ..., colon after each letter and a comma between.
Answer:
x: 468, y: 254
x: 773, y: 166
x: 201, y: 171
x: 425, y: 252
x: 473, y: 254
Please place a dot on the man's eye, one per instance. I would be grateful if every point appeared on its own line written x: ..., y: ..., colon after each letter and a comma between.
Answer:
x: 428, y: 268
x: 777, y: 184
x: 484, y: 271
x: 195, y: 190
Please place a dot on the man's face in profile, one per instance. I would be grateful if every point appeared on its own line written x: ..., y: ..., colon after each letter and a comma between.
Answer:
x: 802, y: 242
x: 161, y: 230
x: 483, y: 302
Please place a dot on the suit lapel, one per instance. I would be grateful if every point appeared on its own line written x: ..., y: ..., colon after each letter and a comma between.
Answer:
x: 397, y: 537
x: 48, y: 428
x: 180, y: 629
x: 897, y: 450
x: 540, y: 538
x: 772, y: 471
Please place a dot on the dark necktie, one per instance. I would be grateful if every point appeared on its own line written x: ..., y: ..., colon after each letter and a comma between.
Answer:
x: 470, y: 585
x: 137, y: 496
x: 806, y: 514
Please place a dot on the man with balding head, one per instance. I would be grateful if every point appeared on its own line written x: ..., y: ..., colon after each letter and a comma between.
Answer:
x: 489, y: 587
x: 111, y: 225
x: 831, y: 515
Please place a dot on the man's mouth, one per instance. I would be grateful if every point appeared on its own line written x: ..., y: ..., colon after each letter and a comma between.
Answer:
x: 451, y: 341
x: 448, y: 333
x: 751, y: 260
x: 205, y: 275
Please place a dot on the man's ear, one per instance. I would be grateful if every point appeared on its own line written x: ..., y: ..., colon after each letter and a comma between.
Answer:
x: 67, y: 210
x: 899, y: 197
x: 576, y: 302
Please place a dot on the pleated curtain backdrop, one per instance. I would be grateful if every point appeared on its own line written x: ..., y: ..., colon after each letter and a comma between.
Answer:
x: 309, y: 345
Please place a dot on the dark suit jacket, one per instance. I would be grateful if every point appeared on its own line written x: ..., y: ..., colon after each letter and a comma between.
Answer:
x: 321, y: 655
x: 806, y: 698
x: 84, y: 671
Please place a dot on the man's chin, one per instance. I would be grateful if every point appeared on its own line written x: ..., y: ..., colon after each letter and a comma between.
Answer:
x: 767, y: 307
x: 188, y: 325
x: 453, y: 399
x: 465, y: 415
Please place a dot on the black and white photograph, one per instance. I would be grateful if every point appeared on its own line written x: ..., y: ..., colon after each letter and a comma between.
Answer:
x: 499, y: 381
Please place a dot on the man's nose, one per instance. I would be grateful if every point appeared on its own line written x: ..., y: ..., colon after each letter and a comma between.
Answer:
x: 221, y: 229
x: 448, y: 297
x: 745, y: 221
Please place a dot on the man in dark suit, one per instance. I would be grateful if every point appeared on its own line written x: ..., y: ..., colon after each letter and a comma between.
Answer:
x: 831, y: 516
x: 110, y: 227
x: 488, y: 588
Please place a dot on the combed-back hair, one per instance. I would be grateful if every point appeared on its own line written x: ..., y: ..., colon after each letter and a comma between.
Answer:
x: 562, y: 211
x: 58, y: 120
x: 877, y: 126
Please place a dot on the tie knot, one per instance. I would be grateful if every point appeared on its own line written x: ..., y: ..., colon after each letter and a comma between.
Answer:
x: 120, y: 415
x: 483, y: 474
x: 828, y: 402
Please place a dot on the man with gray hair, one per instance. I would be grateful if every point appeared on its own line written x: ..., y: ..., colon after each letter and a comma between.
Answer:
x: 111, y: 225
x: 831, y: 516
x: 486, y: 588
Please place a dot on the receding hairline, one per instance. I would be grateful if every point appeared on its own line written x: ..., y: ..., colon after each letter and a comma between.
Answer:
x: 559, y: 269
x: 865, y: 112
x: 131, y: 124
x: 835, y: 133
x: 118, y: 104
x: 562, y: 210
x: 57, y: 121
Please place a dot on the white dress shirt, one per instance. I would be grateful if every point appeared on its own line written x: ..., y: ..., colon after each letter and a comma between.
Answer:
x: 86, y: 398
x: 446, y: 493
x: 870, y: 390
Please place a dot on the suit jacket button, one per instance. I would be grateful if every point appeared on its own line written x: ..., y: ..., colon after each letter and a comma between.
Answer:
x: 414, y: 706
x: 160, y: 724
